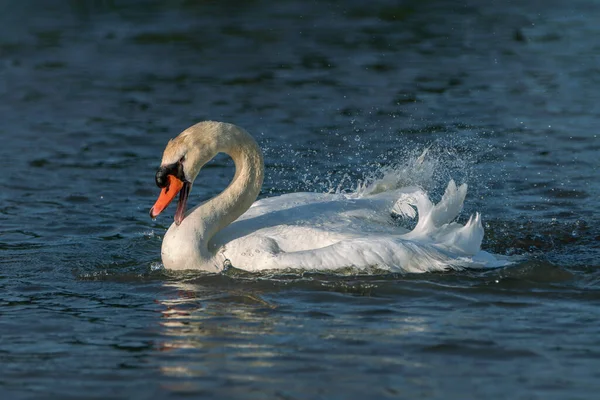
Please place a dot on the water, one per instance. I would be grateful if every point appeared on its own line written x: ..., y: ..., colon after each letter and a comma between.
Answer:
x: 506, y: 95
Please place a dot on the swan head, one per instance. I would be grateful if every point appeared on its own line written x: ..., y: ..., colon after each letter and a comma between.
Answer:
x: 182, y: 160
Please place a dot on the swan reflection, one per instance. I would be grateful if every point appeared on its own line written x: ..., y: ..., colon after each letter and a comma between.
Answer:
x: 255, y: 331
x: 205, y: 328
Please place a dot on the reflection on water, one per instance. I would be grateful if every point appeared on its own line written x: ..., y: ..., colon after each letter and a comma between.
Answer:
x: 242, y: 335
x: 201, y: 327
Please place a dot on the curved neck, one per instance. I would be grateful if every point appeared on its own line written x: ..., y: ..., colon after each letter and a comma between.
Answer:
x: 215, y: 214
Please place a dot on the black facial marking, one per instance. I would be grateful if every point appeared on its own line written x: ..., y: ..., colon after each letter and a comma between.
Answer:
x: 175, y: 169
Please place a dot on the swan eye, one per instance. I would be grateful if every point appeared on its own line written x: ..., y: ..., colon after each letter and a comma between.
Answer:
x: 161, y: 177
x: 182, y: 159
x: 175, y: 169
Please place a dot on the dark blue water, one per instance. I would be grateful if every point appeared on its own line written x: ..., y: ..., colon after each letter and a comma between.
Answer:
x: 507, y: 95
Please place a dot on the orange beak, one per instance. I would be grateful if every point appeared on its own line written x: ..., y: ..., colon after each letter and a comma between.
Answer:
x: 167, y: 194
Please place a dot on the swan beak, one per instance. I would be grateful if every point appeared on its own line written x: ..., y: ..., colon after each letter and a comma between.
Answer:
x: 167, y: 194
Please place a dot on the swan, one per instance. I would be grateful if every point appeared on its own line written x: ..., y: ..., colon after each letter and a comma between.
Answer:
x: 314, y: 231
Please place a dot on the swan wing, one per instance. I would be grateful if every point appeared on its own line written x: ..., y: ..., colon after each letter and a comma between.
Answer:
x: 389, y: 253
x: 329, y: 231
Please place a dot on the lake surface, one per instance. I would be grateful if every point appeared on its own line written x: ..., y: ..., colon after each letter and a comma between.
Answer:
x: 506, y: 94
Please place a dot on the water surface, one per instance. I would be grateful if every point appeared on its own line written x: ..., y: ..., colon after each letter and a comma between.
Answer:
x: 506, y: 95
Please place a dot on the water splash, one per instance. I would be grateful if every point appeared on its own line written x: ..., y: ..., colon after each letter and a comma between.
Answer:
x: 415, y: 171
x: 430, y: 167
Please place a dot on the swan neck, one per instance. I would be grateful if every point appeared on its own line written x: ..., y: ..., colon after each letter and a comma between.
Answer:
x: 243, y: 190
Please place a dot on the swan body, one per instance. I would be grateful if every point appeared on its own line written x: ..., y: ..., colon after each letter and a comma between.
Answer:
x: 315, y: 231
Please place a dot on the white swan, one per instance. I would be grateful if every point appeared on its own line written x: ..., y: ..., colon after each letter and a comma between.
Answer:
x: 303, y: 230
